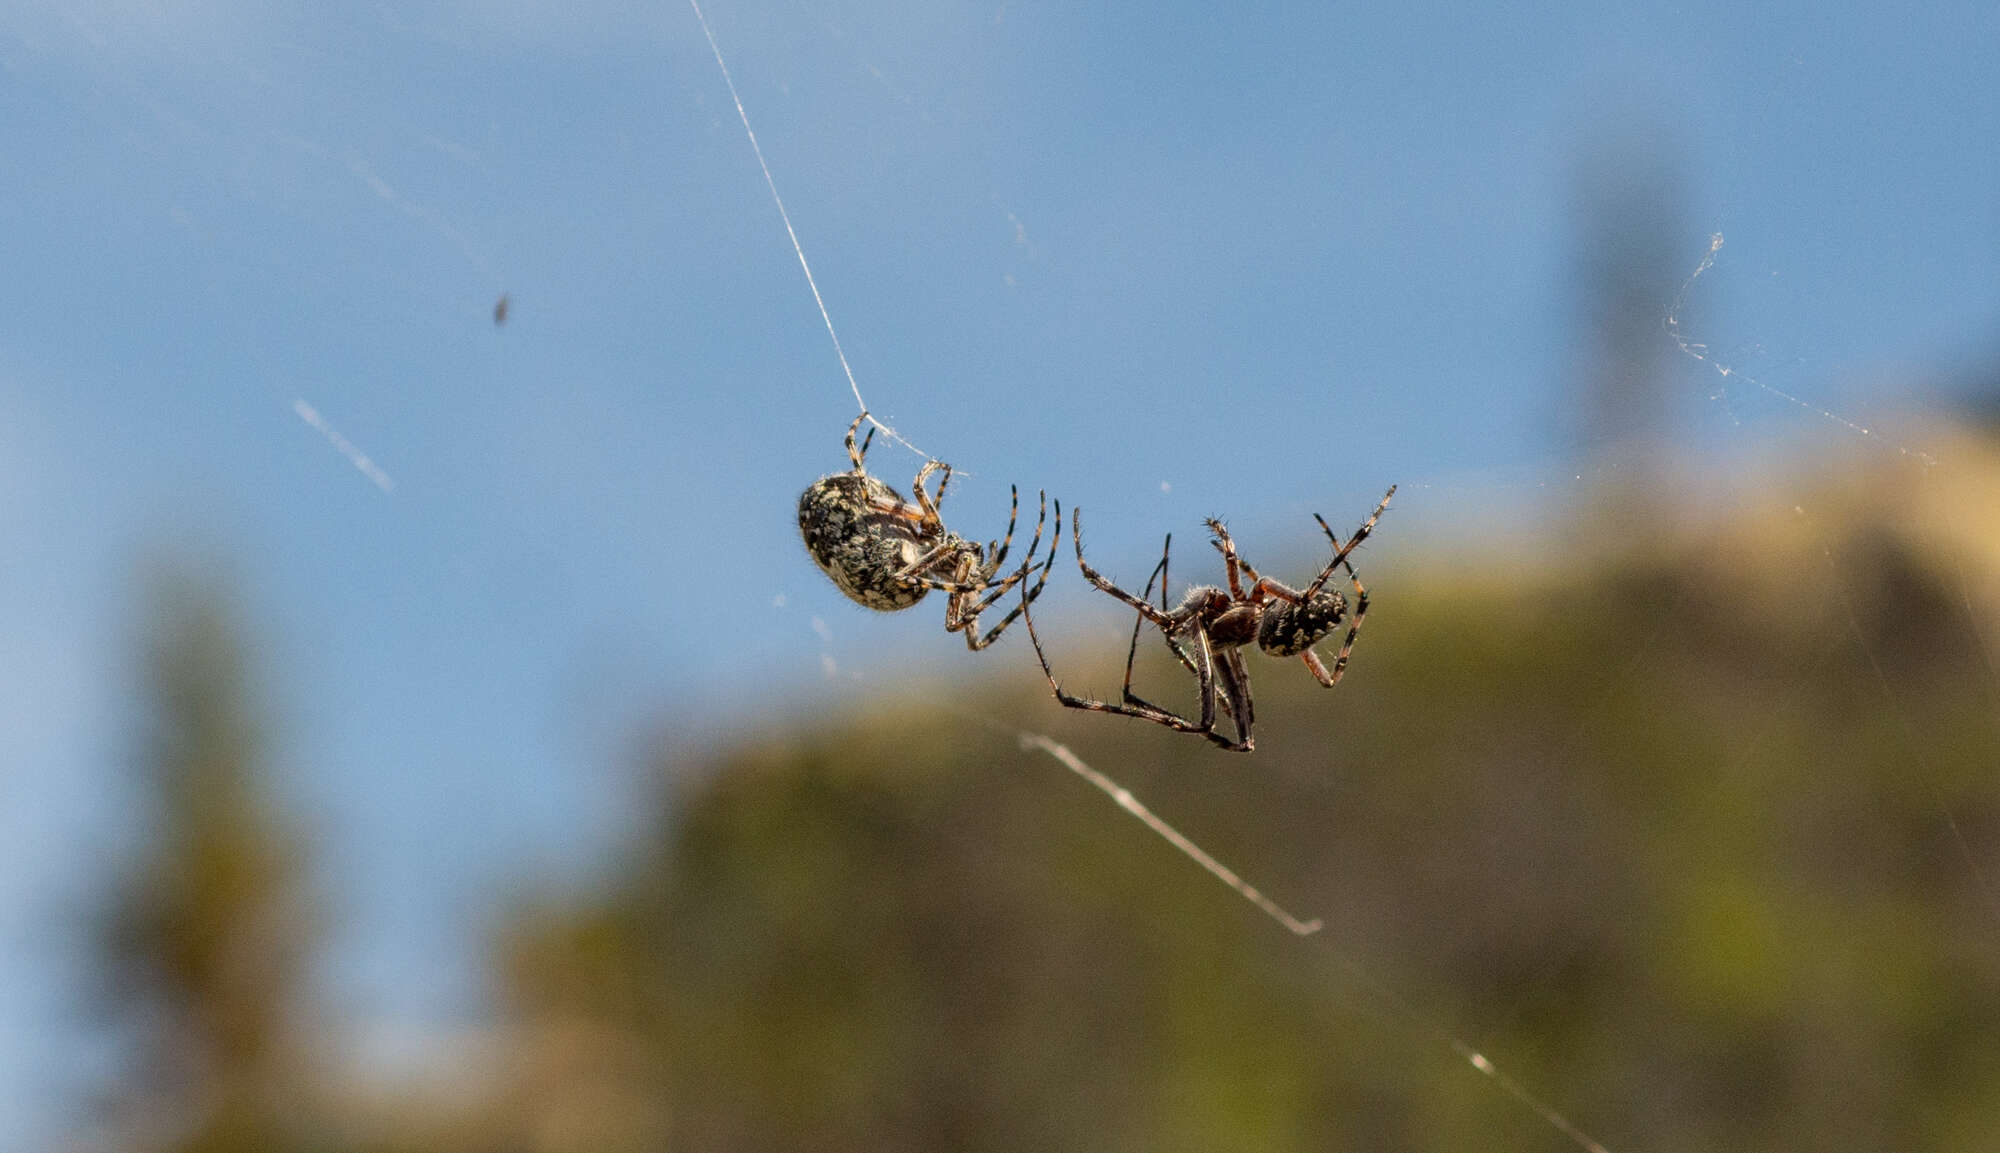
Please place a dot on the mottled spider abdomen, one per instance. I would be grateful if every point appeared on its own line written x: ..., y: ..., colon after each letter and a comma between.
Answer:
x: 1290, y: 629
x: 858, y: 535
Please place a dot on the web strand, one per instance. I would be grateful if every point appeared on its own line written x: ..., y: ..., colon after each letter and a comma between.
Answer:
x: 1703, y: 353
x: 1125, y: 800
x: 360, y: 460
x: 797, y: 248
x: 1131, y: 804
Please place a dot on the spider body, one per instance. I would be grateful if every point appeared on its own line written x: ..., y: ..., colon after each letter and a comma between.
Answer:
x: 1288, y: 630
x: 857, y: 535
x: 887, y: 554
x: 1228, y: 624
x: 1208, y: 631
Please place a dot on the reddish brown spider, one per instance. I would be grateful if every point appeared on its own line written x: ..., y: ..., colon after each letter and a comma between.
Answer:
x: 1209, y: 629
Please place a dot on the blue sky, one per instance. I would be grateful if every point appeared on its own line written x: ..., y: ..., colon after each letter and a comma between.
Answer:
x: 1164, y: 260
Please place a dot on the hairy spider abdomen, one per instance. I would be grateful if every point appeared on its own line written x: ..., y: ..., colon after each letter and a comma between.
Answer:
x: 860, y: 547
x: 1290, y: 629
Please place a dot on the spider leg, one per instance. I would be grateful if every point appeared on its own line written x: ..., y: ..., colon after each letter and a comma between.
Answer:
x: 1139, y: 624
x: 937, y: 552
x: 962, y: 580
x: 1347, y: 646
x: 1034, y: 543
x: 1213, y: 679
x: 1262, y: 588
x: 925, y: 500
x: 997, y: 554
x: 1146, y: 610
x: 1218, y: 677
x: 979, y: 579
x: 1317, y: 669
x: 1160, y: 573
x: 889, y: 506
x: 1157, y: 716
x: 1341, y: 550
x: 1236, y: 684
x: 1267, y: 589
x: 1205, y: 678
x: 852, y: 453
x: 1028, y: 595
x: 1227, y: 547
x: 1139, y: 620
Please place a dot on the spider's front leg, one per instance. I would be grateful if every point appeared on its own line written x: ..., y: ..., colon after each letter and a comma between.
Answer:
x: 1172, y: 628
x: 927, y: 502
x: 1158, y: 716
x: 852, y: 453
x: 1139, y: 621
x: 1235, y: 689
x: 1203, y: 665
x: 1146, y: 610
x: 958, y: 617
x: 1263, y: 589
x: 1230, y: 563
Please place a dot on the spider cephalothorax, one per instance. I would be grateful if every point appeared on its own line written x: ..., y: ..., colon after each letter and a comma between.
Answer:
x: 888, y: 554
x: 1211, y: 626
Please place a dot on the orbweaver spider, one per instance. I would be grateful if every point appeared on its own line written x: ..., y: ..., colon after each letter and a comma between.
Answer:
x: 1211, y: 626
x: 888, y: 554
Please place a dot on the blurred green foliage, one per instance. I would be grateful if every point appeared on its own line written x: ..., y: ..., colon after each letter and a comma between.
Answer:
x: 1694, y: 836
x: 206, y: 937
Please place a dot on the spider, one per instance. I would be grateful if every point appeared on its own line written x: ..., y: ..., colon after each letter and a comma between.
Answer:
x: 888, y: 554
x: 1210, y: 628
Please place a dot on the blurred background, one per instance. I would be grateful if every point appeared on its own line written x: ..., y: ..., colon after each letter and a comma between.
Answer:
x: 421, y: 728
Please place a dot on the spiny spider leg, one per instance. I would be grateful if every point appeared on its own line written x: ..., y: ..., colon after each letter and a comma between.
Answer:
x: 870, y: 439
x: 1262, y: 588
x: 1167, y: 632
x: 1341, y: 550
x: 1346, y: 646
x: 1028, y: 595
x: 996, y: 554
x: 1146, y: 610
x: 994, y: 590
x: 961, y: 581
x: 924, y: 499
x: 1205, y: 665
x: 1317, y: 669
x: 1139, y: 624
x: 1205, y: 677
x: 1157, y: 716
x: 1139, y: 621
x: 1227, y: 547
x: 1235, y: 691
